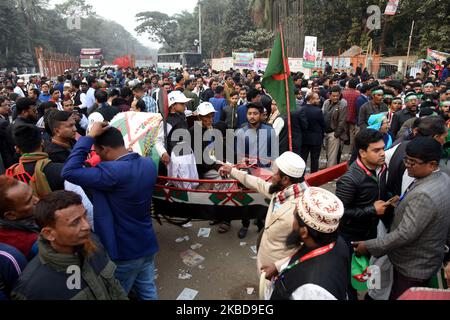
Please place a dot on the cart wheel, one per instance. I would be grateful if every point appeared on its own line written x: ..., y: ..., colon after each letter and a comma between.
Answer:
x: 177, y: 221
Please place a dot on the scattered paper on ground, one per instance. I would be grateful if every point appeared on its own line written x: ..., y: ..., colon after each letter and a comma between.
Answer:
x: 187, y: 294
x: 201, y: 267
x: 250, y: 291
x: 191, y: 258
x: 196, y: 246
x: 253, y: 248
x: 181, y: 239
x: 184, y: 275
x: 187, y: 225
x: 254, y: 258
x: 243, y: 244
x: 204, y: 232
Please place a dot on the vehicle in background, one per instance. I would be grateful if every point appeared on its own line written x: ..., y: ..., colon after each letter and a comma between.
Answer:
x: 109, y: 66
x: 170, y: 61
x: 91, y: 58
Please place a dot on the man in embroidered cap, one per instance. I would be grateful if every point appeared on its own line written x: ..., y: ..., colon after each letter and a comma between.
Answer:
x: 283, y: 192
x: 319, y: 270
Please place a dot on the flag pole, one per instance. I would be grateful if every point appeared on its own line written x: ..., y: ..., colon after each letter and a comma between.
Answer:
x: 286, y: 86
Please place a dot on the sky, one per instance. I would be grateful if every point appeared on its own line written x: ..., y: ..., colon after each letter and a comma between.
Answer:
x: 114, y: 10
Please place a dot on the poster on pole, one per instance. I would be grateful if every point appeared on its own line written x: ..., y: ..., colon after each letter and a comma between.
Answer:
x: 243, y: 60
x: 309, y: 53
x: 391, y: 8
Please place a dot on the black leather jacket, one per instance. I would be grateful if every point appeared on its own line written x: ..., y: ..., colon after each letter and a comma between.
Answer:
x: 358, y: 191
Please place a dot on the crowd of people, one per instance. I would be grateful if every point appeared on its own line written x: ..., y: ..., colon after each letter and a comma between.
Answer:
x: 75, y: 201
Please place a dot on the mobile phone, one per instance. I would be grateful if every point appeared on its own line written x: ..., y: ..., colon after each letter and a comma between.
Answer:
x: 393, y: 201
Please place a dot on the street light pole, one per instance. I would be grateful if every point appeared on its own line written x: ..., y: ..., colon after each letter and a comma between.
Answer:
x: 200, y: 27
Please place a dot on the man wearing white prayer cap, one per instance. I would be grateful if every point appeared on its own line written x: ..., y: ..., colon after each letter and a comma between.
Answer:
x: 283, y: 191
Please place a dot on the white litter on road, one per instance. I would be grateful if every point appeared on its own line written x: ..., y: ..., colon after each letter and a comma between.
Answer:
x: 253, y: 248
x: 191, y: 258
x: 254, y: 258
x: 187, y: 294
x: 204, y: 232
x: 187, y: 225
x: 250, y: 291
x: 181, y: 239
x: 184, y: 275
x: 196, y: 246
x: 243, y: 244
x: 201, y: 267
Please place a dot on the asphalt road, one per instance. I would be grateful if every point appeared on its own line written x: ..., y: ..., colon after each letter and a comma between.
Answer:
x: 229, y: 268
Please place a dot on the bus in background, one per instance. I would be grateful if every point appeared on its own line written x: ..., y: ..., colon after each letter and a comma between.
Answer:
x: 91, y: 58
x: 171, y: 61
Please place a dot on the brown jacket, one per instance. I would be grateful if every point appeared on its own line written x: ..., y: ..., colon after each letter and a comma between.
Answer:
x: 336, y: 116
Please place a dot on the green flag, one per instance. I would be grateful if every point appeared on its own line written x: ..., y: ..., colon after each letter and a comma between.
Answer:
x: 274, y: 77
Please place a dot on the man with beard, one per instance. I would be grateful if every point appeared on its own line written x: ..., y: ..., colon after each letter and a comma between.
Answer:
x: 420, y: 231
x: 284, y: 190
x: 319, y: 270
x: 26, y: 113
x: 17, y: 227
x: 122, y: 187
x: 400, y: 117
x: 63, y: 128
x: 444, y: 110
x: 70, y: 264
x: 375, y: 106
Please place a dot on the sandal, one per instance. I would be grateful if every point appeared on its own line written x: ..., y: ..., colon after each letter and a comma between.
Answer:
x: 214, y: 222
x: 224, y: 228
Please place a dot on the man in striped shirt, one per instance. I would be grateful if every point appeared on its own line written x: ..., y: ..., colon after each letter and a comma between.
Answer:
x: 150, y: 103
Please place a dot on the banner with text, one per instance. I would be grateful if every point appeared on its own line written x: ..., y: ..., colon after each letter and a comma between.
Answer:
x: 437, y: 55
x: 243, y: 60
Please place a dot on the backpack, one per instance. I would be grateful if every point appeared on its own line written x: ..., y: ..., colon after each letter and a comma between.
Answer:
x: 38, y: 181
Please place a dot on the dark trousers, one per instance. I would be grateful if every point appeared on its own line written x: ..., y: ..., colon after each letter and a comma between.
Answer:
x: 315, y: 156
x: 401, y: 284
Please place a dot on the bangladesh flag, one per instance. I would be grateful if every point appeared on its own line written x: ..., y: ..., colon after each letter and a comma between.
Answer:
x: 274, y: 77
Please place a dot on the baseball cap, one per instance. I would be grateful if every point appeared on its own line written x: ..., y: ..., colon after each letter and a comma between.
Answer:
x: 205, y: 108
x: 177, y: 97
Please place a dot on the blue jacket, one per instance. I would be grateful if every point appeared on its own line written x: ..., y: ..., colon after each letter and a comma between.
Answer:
x: 12, y: 263
x: 242, y: 115
x: 60, y: 87
x: 44, y: 97
x: 219, y: 104
x: 122, y: 192
x: 362, y: 99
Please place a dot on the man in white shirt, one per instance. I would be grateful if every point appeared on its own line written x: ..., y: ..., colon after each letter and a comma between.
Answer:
x: 19, y: 88
x: 89, y: 101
